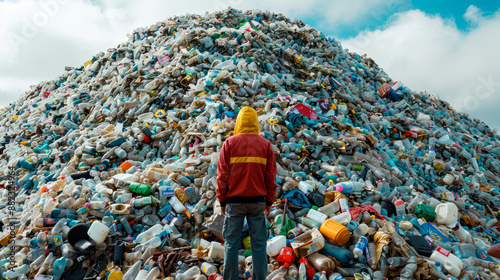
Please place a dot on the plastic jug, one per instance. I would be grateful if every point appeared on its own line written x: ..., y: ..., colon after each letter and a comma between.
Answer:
x: 98, y: 232
x: 442, y: 255
x: 446, y: 213
x: 275, y: 244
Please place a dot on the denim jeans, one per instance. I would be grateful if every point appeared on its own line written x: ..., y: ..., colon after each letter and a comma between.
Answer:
x: 232, y: 231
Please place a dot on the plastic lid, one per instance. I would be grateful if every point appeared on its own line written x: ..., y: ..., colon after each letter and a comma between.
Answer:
x: 399, y: 202
x: 314, y: 207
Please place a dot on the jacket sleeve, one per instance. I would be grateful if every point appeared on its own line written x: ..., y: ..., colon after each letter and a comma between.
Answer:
x: 223, y: 173
x: 270, y: 176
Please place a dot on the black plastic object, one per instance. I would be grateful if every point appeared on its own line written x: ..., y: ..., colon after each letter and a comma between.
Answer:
x: 420, y: 244
x: 388, y: 206
x: 81, y: 175
x: 118, y: 253
x: 316, y: 198
x: 78, y: 232
x: 84, y: 246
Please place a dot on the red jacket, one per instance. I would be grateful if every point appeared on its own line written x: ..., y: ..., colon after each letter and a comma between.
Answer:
x: 247, y: 167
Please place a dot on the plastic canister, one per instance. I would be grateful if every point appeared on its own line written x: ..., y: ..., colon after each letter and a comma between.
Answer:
x: 306, y: 186
x: 216, y: 250
x: 275, y: 244
x: 98, y: 231
x: 335, y: 233
x: 446, y: 213
x: 442, y: 255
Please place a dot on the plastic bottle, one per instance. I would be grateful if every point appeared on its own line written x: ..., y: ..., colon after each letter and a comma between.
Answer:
x: 208, y: 268
x: 133, y: 271
x: 360, y: 247
x: 141, y: 189
x: 400, y: 207
x: 59, y: 266
x: 189, y: 274
x: 344, y: 207
x: 16, y: 272
x: 153, y: 274
x: 349, y: 187
x: 302, y: 270
x: 148, y: 234
x: 277, y: 272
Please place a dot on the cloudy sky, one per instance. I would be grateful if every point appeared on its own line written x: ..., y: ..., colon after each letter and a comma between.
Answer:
x: 447, y: 48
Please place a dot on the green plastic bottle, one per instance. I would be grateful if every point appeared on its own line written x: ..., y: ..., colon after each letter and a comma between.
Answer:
x: 140, y: 189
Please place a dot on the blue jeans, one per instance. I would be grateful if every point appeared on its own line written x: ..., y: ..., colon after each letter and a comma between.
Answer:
x: 232, y: 231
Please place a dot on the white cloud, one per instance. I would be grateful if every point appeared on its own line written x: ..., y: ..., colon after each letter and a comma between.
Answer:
x: 430, y: 54
x: 39, y: 38
x: 473, y: 14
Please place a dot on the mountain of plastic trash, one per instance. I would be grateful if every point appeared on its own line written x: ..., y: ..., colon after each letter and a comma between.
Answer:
x: 109, y: 169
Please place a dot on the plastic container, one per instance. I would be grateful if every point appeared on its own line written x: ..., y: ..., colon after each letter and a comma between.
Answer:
x: 98, y: 232
x: 286, y: 255
x: 321, y: 262
x: 216, y: 250
x: 335, y: 233
x: 307, y: 243
x: 446, y: 213
x: 360, y: 247
x: 400, y: 207
x: 275, y: 244
x: 316, y: 215
x: 343, y: 218
x: 442, y: 255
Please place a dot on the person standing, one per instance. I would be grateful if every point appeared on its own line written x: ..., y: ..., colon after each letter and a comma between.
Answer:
x: 246, y: 187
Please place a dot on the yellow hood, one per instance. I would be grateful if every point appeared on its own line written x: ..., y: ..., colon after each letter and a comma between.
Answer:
x: 247, y: 122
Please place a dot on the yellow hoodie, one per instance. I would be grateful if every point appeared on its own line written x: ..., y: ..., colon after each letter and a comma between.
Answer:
x: 247, y: 122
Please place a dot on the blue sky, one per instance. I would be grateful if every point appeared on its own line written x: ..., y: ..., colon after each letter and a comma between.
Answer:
x: 446, y: 48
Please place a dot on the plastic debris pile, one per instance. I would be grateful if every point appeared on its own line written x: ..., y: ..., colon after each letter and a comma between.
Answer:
x: 109, y: 170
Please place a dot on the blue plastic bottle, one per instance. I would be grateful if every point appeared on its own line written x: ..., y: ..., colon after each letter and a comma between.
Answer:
x: 59, y: 266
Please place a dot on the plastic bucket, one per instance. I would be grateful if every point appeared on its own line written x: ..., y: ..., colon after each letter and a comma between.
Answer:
x: 335, y: 233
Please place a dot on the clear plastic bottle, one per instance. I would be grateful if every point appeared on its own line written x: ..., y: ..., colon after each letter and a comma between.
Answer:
x: 279, y: 273
x: 302, y: 270
x: 189, y: 274
x: 153, y: 274
x: 208, y: 268
x: 16, y: 272
x: 133, y: 271
x: 47, y: 263
x: 148, y: 234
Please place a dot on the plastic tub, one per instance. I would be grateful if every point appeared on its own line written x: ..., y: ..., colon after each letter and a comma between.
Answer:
x: 308, y: 243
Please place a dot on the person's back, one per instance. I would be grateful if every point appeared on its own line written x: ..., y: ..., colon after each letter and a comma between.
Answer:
x: 246, y: 184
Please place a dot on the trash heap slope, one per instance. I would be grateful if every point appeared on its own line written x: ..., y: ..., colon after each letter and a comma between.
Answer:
x: 156, y: 109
